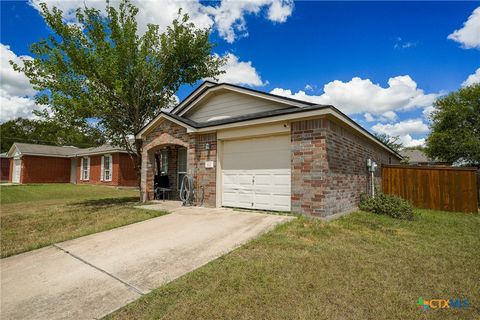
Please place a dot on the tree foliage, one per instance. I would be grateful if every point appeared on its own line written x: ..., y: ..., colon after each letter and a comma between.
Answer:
x: 102, y: 68
x: 392, y: 142
x: 48, y: 132
x: 455, y: 128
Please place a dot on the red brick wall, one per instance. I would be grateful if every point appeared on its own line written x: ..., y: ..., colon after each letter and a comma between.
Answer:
x: 10, y: 173
x: 4, y: 168
x: 329, y: 170
x: 44, y: 169
x: 127, y: 176
x: 123, y: 171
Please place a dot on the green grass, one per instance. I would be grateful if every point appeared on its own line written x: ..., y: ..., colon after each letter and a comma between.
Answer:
x: 34, y: 216
x: 362, y: 266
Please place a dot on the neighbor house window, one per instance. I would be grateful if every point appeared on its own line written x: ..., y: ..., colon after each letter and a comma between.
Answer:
x: 106, y: 168
x: 85, y: 174
x: 182, y: 165
x: 164, y: 162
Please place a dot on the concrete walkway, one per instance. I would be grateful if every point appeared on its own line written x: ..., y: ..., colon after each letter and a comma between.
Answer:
x: 89, y: 277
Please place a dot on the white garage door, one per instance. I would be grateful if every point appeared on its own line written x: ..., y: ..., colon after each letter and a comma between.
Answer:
x: 256, y: 173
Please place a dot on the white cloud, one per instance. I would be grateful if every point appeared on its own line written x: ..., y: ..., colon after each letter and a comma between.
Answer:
x: 407, y: 141
x: 361, y: 95
x: 308, y: 87
x: 389, y: 115
x: 15, y: 106
x: 240, y: 72
x: 228, y: 17
x: 16, y: 92
x: 427, y: 112
x: 369, y: 117
x: 469, y: 34
x: 403, y: 130
x: 13, y: 82
x: 402, y: 127
x: 401, y: 44
x: 473, y: 78
x: 279, y: 11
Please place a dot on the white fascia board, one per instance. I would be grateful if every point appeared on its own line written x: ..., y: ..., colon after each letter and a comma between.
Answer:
x: 11, y: 151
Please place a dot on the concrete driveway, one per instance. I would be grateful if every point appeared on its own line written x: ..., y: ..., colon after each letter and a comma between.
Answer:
x: 89, y: 277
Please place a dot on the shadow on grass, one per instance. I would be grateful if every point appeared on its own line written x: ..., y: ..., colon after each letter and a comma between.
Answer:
x: 105, y: 202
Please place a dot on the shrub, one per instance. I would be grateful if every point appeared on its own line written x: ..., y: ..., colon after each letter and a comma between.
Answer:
x: 387, y: 204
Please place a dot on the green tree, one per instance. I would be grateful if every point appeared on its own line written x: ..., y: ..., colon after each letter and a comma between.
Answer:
x: 392, y: 142
x: 101, y: 68
x: 455, y: 127
x: 48, y: 132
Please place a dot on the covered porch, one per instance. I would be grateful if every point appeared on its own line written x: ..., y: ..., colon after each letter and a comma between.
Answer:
x: 167, y: 167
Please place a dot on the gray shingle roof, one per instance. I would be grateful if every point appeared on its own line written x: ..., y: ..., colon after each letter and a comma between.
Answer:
x: 106, y: 148
x: 40, y: 149
x: 63, y: 151
x: 415, y: 155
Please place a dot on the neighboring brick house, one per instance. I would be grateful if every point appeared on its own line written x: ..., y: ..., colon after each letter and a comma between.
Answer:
x: 35, y: 163
x: 251, y: 149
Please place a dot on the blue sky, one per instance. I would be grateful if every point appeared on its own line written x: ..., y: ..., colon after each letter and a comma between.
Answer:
x: 342, y: 53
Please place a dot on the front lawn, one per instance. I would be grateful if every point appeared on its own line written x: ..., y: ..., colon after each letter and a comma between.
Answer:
x: 362, y: 266
x: 33, y: 216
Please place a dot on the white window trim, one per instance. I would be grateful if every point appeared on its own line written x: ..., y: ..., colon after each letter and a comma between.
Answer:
x: 164, y: 162
x: 82, y: 171
x: 103, y: 169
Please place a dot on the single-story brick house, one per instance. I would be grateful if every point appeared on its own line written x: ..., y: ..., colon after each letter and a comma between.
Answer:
x: 251, y: 149
x: 35, y: 163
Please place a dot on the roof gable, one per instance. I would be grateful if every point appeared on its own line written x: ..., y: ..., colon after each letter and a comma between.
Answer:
x: 224, y: 103
x: 208, y: 89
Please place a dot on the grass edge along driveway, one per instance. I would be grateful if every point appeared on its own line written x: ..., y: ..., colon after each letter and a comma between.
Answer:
x: 362, y: 266
x: 37, y: 215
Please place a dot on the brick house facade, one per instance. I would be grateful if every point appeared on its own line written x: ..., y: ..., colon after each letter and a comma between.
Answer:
x: 33, y: 163
x: 35, y: 169
x: 123, y: 171
x: 327, y: 151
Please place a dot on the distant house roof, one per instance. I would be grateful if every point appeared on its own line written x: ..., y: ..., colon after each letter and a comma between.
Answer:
x: 418, y: 156
x: 41, y: 150
x: 106, y: 148
x: 59, y: 151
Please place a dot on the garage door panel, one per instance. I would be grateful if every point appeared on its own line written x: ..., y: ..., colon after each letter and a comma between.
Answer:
x: 256, y: 173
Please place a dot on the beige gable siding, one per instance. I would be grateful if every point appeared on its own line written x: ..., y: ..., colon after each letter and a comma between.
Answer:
x: 231, y: 104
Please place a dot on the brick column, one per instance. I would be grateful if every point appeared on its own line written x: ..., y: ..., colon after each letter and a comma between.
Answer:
x: 205, y: 178
x: 309, y: 166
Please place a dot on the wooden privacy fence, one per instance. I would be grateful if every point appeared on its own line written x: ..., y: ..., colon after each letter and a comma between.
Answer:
x: 438, y: 188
